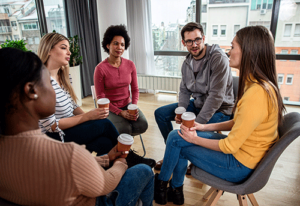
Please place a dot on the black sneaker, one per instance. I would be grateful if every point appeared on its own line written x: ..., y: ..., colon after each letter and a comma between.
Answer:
x: 133, y: 159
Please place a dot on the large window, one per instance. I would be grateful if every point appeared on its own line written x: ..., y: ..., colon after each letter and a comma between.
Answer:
x: 212, y: 15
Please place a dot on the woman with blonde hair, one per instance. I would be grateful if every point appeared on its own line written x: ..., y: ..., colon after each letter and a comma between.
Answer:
x: 254, y: 129
x: 70, y: 122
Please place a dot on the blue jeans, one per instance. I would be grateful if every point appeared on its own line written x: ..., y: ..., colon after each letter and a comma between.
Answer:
x: 165, y: 114
x: 137, y: 183
x: 178, y: 152
x: 98, y: 135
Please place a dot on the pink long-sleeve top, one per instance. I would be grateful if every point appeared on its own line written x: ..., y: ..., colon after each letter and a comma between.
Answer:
x: 113, y: 83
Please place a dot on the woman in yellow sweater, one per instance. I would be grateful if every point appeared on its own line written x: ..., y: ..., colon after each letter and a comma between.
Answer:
x: 38, y: 170
x: 253, y: 130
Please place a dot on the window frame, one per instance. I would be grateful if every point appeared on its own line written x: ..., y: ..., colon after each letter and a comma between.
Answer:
x: 289, y: 76
x: 282, y: 76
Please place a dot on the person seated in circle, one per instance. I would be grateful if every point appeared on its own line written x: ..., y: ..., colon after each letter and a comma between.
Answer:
x: 69, y: 122
x: 113, y: 77
x: 258, y: 111
x: 38, y: 170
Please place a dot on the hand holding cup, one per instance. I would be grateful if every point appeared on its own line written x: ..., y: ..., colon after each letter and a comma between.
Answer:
x: 124, y: 143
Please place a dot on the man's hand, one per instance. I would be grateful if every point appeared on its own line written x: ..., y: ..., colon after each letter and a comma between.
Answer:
x: 178, y: 121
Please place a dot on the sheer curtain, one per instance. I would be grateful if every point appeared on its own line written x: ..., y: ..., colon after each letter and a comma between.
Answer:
x: 139, y: 28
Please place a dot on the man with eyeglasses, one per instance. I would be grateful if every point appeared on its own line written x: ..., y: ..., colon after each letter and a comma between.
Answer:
x: 206, y: 76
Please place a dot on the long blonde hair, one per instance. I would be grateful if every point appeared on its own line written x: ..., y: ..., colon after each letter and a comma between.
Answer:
x: 47, y: 42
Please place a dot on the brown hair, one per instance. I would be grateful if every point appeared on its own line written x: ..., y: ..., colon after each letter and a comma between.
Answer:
x: 259, y: 60
x: 47, y: 42
x: 191, y: 27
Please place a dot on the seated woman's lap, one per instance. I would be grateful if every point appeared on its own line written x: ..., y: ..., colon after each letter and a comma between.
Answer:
x: 224, y: 166
x: 98, y: 135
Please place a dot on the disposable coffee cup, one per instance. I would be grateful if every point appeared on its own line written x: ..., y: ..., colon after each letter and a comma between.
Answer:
x: 188, y: 119
x: 124, y: 143
x: 132, y: 109
x: 179, y: 111
x: 103, y: 103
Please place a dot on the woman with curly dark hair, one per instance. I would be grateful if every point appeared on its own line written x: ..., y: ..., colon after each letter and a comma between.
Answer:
x: 112, y: 79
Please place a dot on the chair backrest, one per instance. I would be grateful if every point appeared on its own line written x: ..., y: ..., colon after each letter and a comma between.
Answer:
x: 288, y: 132
x: 94, y: 95
x: 235, y: 82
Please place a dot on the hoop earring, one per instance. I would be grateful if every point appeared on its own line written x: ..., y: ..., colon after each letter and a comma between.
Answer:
x: 35, y: 96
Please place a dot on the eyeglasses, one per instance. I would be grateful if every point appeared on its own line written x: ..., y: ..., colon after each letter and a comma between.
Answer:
x: 191, y: 42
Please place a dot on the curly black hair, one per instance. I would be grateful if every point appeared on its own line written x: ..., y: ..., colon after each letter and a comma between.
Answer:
x: 111, y: 32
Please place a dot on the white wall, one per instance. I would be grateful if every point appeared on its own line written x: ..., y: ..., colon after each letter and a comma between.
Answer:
x: 111, y: 12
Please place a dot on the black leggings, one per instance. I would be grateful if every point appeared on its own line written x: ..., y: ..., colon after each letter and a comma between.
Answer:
x: 98, y: 135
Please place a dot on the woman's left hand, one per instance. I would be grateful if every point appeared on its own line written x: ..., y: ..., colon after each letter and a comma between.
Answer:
x: 187, y: 134
x: 114, y: 154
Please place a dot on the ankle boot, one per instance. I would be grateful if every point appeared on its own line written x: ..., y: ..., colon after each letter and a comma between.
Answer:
x: 160, y: 191
x: 175, y: 195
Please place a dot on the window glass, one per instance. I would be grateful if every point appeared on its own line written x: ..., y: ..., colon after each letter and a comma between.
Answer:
x: 215, y: 30
x: 55, y: 15
x: 168, y: 65
x: 223, y: 30
x: 287, y: 30
x: 19, y: 21
x: 280, y: 78
x: 297, y: 30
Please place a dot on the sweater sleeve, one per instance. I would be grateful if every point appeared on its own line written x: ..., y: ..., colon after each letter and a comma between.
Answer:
x: 90, y: 178
x: 99, y: 80
x: 134, y: 85
x: 184, y: 93
x: 217, y: 89
x: 252, y: 110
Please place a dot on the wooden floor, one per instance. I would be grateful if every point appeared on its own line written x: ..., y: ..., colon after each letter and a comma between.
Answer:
x: 283, y: 188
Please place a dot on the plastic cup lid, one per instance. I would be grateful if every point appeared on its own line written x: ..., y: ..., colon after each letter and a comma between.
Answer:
x: 125, y: 139
x: 132, y: 107
x: 180, y: 110
x: 103, y: 101
x: 188, y: 116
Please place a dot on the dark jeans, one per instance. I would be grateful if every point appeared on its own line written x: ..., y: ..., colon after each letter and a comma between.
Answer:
x: 137, y: 183
x: 98, y: 135
x: 128, y: 126
x: 165, y: 114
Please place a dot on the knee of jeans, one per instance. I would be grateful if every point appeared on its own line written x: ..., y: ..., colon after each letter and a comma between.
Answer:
x: 157, y: 113
x: 144, y: 169
x: 173, y: 136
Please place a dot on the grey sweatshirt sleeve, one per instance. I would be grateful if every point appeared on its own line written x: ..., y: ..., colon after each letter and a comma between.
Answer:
x: 184, y: 93
x: 218, y: 83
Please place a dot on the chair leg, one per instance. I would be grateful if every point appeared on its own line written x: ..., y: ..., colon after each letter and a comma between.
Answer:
x: 143, y: 145
x: 214, y: 198
x: 242, y: 200
x: 208, y: 193
x: 252, y: 200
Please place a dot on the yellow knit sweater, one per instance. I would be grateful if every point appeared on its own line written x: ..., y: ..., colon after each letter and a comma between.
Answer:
x: 255, y: 126
x: 37, y: 170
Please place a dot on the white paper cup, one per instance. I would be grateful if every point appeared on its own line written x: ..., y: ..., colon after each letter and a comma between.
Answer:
x: 132, y: 109
x: 179, y: 111
x: 124, y: 143
x: 188, y: 119
x: 103, y: 103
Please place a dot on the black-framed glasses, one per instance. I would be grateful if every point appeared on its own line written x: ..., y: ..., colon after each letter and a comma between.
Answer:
x: 191, y: 42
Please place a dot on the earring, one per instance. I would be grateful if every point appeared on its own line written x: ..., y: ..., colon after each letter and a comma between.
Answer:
x: 35, y: 96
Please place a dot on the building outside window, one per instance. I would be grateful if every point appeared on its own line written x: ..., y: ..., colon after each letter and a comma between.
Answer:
x: 30, y: 40
x: 297, y: 30
x: 36, y: 40
x: 215, y: 30
x: 280, y: 78
x: 289, y: 79
x: 223, y: 30
x: 286, y: 99
x: 287, y: 30
x: 235, y: 29
x: 16, y: 37
x: 31, y: 26
x: 284, y: 51
x: 13, y: 23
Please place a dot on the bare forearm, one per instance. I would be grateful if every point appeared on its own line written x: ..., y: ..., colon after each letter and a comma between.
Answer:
x: 223, y: 126
x: 212, y: 144
x: 69, y: 122
x: 78, y: 111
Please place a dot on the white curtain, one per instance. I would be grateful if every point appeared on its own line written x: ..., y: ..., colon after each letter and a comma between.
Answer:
x: 139, y: 28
